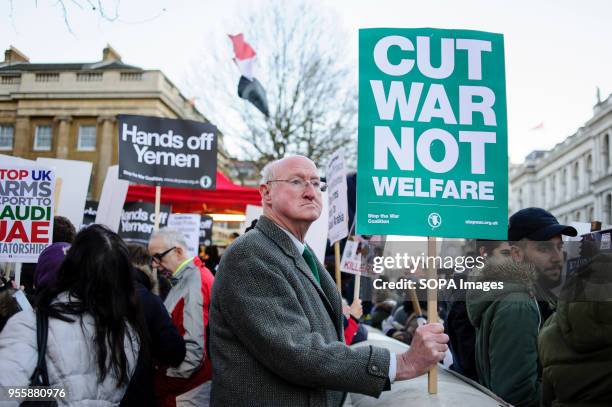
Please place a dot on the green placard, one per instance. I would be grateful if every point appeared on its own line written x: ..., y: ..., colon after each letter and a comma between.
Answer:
x: 433, y: 138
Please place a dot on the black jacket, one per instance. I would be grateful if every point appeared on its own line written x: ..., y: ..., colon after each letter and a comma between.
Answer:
x: 166, y: 347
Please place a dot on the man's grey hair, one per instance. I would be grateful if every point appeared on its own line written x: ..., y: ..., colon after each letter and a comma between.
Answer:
x: 267, y: 172
x: 171, y: 236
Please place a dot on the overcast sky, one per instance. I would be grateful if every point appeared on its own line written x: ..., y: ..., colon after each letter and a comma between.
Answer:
x: 557, y: 51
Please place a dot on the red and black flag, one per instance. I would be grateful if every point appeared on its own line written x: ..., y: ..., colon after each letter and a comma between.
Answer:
x: 249, y: 88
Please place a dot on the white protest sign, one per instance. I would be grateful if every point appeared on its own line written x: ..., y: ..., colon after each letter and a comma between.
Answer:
x: 75, y: 176
x: 317, y: 233
x: 337, y: 197
x: 189, y: 225
x: 351, y: 261
x: 112, y: 199
x: 253, y: 212
x: 15, y: 161
x: 26, y: 212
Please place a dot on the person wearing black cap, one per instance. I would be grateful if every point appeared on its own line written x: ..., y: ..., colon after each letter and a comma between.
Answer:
x: 536, y: 236
x: 508, y: 320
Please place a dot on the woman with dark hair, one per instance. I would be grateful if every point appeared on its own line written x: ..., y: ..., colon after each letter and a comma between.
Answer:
x: 95, y: 326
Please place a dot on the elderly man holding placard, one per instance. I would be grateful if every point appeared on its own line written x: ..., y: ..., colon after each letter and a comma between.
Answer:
x: 276, y: 316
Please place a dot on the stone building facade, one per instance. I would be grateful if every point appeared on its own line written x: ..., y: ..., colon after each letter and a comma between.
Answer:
x: 574, y: 179
x: 68, y: 110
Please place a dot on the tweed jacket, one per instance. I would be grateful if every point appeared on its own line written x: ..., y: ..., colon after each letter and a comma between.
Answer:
x: 277, y: 335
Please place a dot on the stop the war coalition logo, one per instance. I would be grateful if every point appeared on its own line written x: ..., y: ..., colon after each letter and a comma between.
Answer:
x: 167, y: 152
x: 26, y: 212
x: 432, y: 157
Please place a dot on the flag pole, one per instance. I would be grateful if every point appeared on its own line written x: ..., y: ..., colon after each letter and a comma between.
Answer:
x: 337, y: 258
x: 432, y: 311
x: 157, y: 205
x: 357, y: 286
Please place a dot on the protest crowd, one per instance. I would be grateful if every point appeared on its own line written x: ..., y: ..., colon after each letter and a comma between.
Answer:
x: 132, y: 308
x: 135, y: 325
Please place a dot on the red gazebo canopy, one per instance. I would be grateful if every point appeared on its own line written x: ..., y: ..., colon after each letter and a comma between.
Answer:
x: 226, y: 198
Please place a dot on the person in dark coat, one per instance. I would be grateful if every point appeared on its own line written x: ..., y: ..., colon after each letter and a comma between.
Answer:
x: 167, y: 347
x: 575, y: 345
x: 458, y: 326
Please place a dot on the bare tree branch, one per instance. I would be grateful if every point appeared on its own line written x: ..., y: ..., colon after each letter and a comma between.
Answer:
x: 310, y: 90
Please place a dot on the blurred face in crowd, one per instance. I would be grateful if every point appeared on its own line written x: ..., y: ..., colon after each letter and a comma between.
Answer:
x: 547, y: 257
x: 164, y: 255
x: 292, y: 197
x: 501, y: 251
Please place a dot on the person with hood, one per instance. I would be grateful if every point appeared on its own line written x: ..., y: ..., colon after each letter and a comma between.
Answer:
x: 508, y: 319
x: 95, y: 331
x: 576, y: 343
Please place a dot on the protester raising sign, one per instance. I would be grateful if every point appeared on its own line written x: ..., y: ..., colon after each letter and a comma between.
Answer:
x: 26, y: 212
x: 167, y: 152
x: 137, y: 220
x: 432, y: 158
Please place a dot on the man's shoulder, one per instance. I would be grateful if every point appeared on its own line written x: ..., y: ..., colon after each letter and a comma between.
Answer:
x: 249, y: 242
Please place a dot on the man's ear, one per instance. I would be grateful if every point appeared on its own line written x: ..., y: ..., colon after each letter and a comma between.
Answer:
x: 180, y: 251
x: 264, y: 190
x: 517, y: 253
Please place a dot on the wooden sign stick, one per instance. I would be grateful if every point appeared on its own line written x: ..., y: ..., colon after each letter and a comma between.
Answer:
x: 432, y: 311
x: 357, y: 288
x: 157, y: 205
x: 56, y: 194
x: 416, y: 306
x: 337, y: 258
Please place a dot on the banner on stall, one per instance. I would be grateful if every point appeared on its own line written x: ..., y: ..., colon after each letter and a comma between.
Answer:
x: 26, y: 212
x: 335, y: 175
x: 206, y: 230
x: 138, y: 221
x: 167, y: 152
x: 432, y: 151
x: 189, y: 225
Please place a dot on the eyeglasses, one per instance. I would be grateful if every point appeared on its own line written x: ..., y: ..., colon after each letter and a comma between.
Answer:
x: 157, y: 257
x: 299, y: 184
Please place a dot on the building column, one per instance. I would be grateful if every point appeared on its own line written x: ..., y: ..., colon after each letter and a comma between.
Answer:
x: 105, y: 153
x: 598, y: 213
x: 568, y: 182
x: 63, y: 136
x: 581, y: 175
x: 609, y: 136
x: 547, y: 192
x: 21, y: 137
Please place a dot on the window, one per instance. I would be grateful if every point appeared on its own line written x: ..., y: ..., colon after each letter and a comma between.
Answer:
x: 6, y: 137
x: 87, y: 138
x: 42, y: 138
